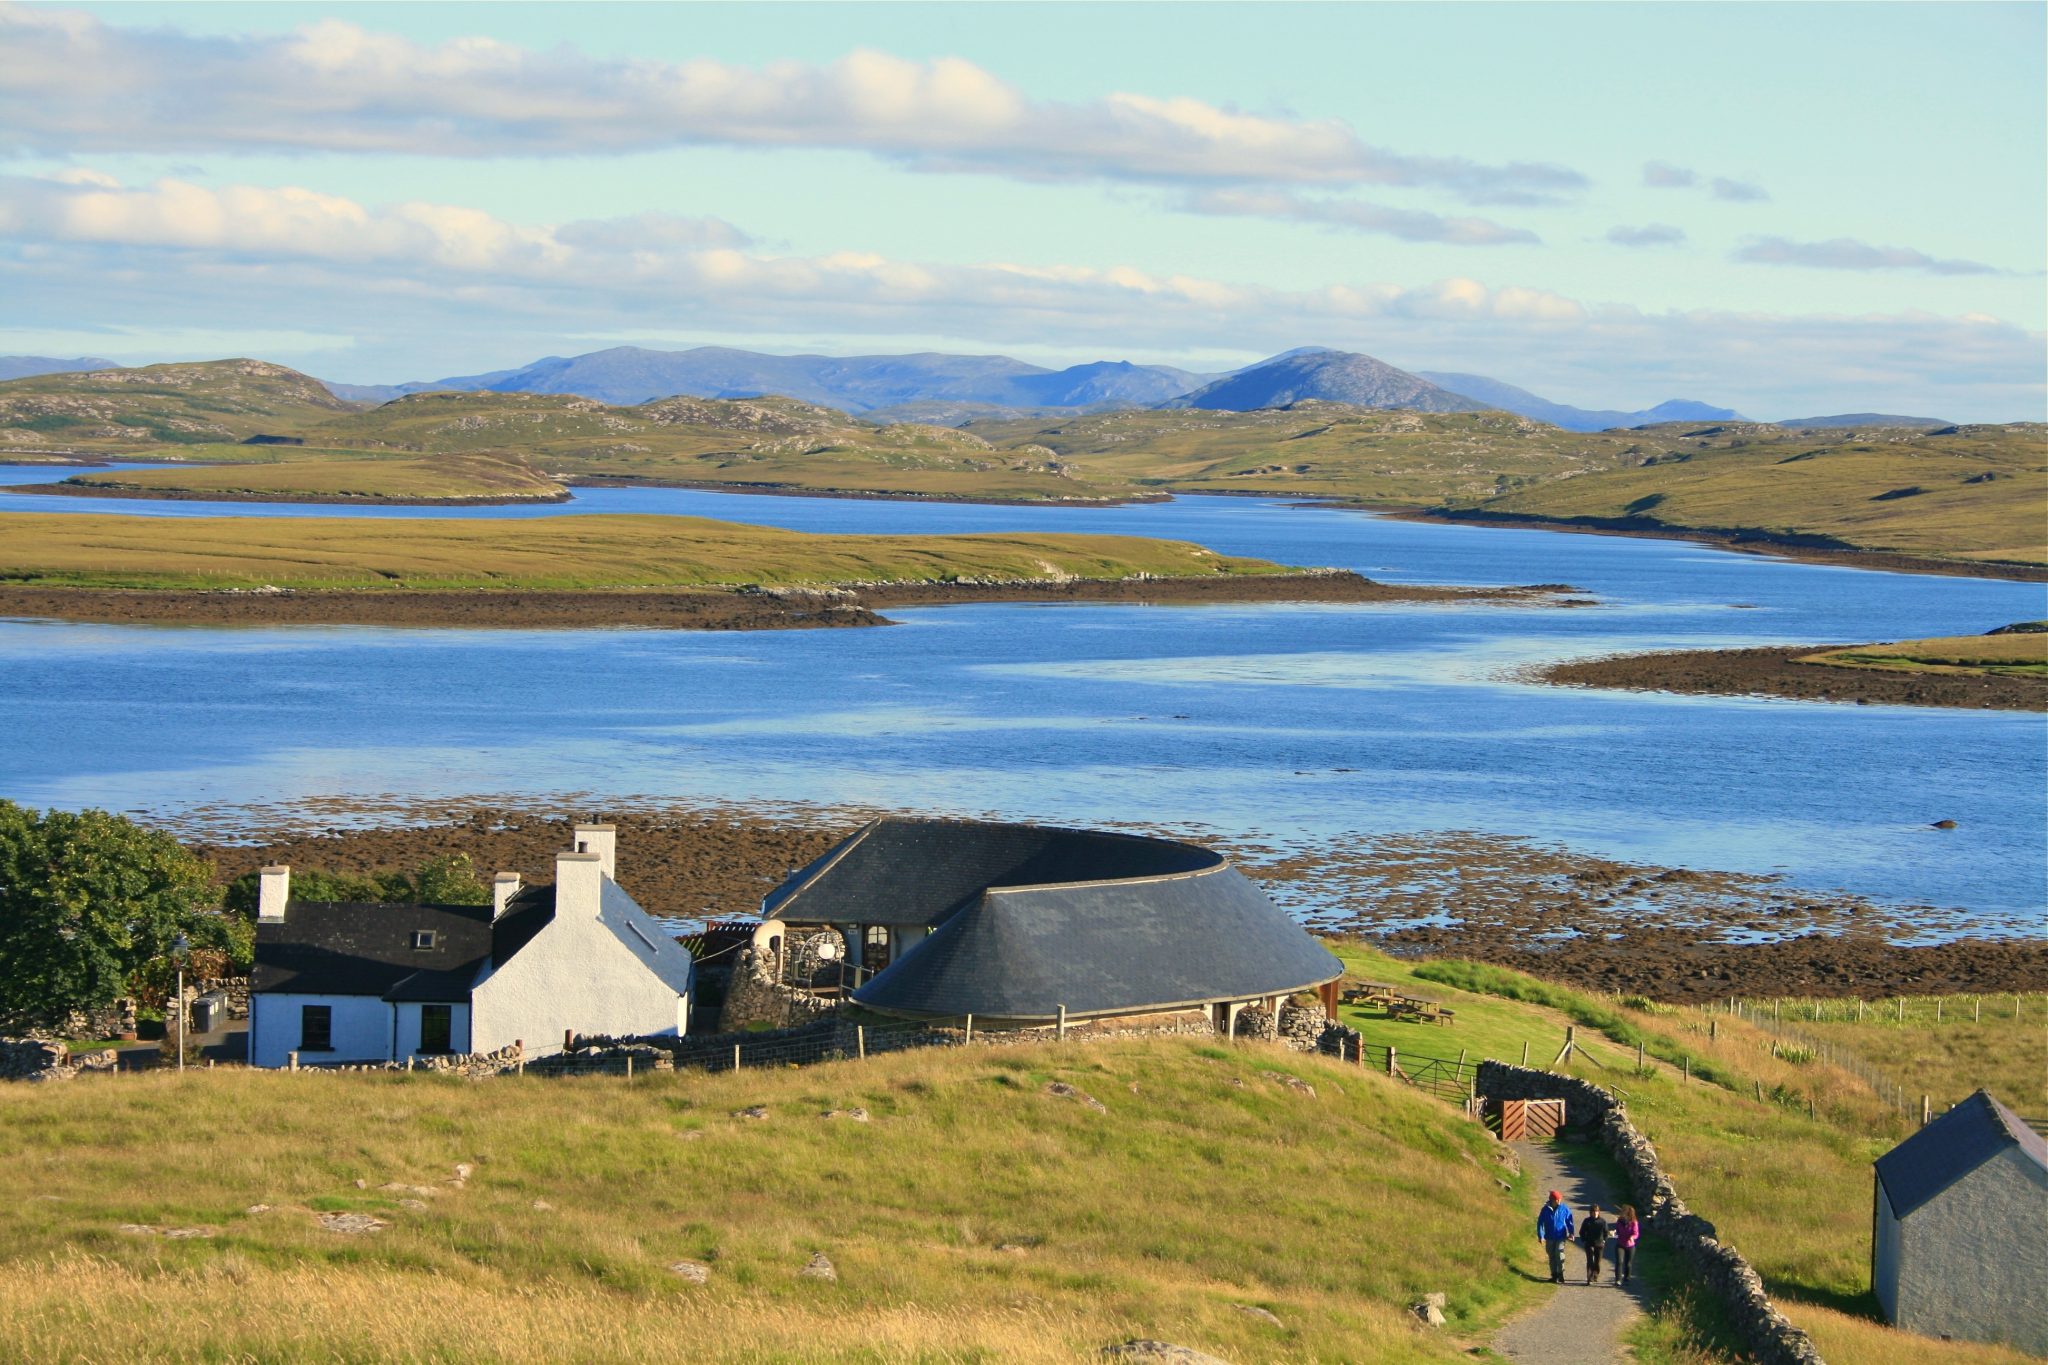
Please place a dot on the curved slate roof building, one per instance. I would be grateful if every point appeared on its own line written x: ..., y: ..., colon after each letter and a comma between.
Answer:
x: 1015, y: 922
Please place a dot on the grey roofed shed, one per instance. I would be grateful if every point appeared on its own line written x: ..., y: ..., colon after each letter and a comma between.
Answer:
x: 1029, y: 919
x: 1952, y: 1146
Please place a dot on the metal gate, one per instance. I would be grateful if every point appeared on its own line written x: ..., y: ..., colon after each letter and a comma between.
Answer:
x: 1530, y: 1120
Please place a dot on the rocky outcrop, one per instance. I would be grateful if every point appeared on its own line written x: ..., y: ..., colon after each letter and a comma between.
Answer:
x: 1715, y: 1267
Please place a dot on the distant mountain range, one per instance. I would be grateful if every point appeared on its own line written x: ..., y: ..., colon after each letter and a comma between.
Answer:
x: 949, y: 390
x: 28, y: 366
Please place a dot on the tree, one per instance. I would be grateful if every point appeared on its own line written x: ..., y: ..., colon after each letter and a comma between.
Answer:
x: 87, y: 900
x: 449, y: 880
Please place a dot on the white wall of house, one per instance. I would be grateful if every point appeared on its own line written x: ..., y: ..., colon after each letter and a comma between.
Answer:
x: 409, y: 1015
x: 361, y: 1029
x: 601, y: 965
x: 1972, y: 1262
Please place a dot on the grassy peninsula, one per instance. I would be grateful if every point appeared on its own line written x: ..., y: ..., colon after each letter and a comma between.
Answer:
x: 335, y: 477
x: 567, y: 553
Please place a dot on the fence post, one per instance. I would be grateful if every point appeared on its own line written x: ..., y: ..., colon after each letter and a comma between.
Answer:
x: 294, y: 1060
x: 860, y: 1043
x: 1525, y: 1052
x: 1937, y: 1009
x: 1391, y: 1068
x: 408, y: 1061
x: 1977, y: 1011
x: 1759, y: 1091
x: 970, y: 1028
x: 1926, y: 1111
x: 1777, y: 1011
x: 1713, y: 1030
x: 1063, y: 1024
x: 735, y: 1056
x: 1688, y: 1068
x: 629, y: 1064
x: 1361, y: 1052
x: 1639, y: 1054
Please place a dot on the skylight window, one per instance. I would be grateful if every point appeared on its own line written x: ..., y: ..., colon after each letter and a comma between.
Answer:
x: 424, y: 938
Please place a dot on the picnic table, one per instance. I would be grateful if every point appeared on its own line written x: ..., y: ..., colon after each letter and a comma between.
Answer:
x: 1409, y: 1008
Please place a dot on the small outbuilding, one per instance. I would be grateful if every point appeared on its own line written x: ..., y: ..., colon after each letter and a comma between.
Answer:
x: 1028, y: 925
x: 1959, y: 1249
x: 353, y: 983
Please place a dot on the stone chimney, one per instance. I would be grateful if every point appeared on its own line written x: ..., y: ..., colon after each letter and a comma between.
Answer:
x: 504, y: 887
x: 579, y: 884
x: 603, y: 840
x: 273, y: 889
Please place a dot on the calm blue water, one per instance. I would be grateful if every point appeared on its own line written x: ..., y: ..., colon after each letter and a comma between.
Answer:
x: 1281, y: 721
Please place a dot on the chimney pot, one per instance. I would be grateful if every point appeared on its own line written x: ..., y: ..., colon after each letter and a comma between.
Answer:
x: 603, y: 840
x: 273, y: 890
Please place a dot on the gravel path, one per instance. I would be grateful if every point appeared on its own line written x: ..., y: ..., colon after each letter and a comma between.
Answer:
x: 1578, y: 1323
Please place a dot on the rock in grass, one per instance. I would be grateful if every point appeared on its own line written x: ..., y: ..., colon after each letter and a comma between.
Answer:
x: 752, y: 1111
x: 1431, y: 1309
x: 1166, y: 1353
x: 1294, y: 1083
x: 1252, y: 1310
x: 175, y: 1234
x: 690, y: 1272
x: 1065, y: 1091
x: 352, y: 1224
x: 857, y: 1114
x: 819, y: 1267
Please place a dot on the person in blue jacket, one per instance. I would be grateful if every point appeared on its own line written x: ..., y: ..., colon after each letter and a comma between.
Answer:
x: 1554, y: 1226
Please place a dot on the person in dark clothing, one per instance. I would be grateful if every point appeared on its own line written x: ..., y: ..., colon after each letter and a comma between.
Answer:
x: 1592, y: 1236
x: 1554, y: 1227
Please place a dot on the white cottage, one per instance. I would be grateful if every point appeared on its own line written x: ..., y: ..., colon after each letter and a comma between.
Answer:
x: 373, y: 983
x: 1960, y: 1244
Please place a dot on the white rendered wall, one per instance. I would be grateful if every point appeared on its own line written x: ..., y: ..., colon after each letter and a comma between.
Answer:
x: 409, y: 1029
x: 591, y: 969
x: 1974, y: 1259
x: 361, y: 1030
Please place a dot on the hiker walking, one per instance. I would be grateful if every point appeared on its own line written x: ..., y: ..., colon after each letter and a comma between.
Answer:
x: 1628, y: 1230
x: 1593, y: 1236
x: 1554, y: 1226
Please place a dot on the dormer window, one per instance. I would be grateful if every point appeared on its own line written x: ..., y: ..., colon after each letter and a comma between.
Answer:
x: 424, y: 939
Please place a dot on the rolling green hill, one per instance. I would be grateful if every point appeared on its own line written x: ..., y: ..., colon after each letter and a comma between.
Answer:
x: 128, y: 411
x: 1972, y: 493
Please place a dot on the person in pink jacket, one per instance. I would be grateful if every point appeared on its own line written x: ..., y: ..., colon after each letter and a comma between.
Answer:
x: 1628, y: 1230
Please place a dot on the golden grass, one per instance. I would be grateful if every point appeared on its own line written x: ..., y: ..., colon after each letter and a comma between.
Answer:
x: 1206, y: 1185
x: 67, y: 549
x: 441, y: 477
x: 2022, y: 652
x: 1979, y: 494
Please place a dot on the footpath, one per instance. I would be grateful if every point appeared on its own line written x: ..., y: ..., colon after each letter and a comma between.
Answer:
x: 1578, y: 1323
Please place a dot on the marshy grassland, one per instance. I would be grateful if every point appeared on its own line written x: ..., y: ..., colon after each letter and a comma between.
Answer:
x: 339, y: 478
x: 973, y: 1217
x: 2018, y: 654
x: 581, y: 552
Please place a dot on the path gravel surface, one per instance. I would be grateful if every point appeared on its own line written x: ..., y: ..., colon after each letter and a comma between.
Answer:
x: 1578, y: 1323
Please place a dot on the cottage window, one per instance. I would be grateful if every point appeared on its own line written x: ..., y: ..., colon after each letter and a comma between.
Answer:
x: 423, y: 938
x: 316, y: 1028
x: 437, y: 1028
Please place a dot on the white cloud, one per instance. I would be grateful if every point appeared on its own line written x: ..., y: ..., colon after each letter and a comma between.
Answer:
x: 1847, y: 253
x: 451, y: 282
x: 1649, y: 234
x: 1737, y: 191
x: 1662, y: 175
x: 1355, y: 215
x: 69, y: 84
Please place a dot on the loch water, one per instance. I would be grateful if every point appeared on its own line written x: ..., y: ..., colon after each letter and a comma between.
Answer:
x: 1281, y: 722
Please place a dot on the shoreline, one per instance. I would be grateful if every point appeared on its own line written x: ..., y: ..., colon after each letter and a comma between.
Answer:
x: 79, y: 490
x: 1777, y: 672
x: 824, y: 606
x: 1799, y: 550
x: 1670, y: 934
x: 772, y: 490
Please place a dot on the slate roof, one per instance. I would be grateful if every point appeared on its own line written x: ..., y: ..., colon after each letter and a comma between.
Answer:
x: 904, y: 871
x: 1028, y: 919
x: 351, y: 948
x: 1951, y: 1147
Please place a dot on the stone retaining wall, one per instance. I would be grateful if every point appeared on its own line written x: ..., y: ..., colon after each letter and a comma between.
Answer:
x: 1715, y: 1266
x: 37, y: 1059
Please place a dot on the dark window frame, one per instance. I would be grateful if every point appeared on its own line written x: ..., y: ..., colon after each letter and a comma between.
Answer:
x: 324, y: 1033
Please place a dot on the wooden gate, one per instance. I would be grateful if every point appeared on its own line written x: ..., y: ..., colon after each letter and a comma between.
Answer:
x: 1530, y: 1120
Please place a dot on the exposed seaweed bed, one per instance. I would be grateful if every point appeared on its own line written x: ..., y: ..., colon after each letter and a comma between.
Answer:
x: 1778, y: 673
x: 699, y: 609
x: 1668, y: 933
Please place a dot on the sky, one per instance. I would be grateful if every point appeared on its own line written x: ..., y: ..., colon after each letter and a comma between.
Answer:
x: 1785, y: 209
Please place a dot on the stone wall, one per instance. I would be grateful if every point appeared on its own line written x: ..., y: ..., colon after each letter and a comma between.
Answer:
x: 37, y: 1059
x: 755, y: 995
x: 1715, y: 1267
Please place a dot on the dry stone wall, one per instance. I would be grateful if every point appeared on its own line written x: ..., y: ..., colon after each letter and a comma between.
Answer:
x: 37, y: 1059
x: 1719, y: 1269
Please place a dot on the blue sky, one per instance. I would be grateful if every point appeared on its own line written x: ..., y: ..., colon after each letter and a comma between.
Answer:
x: 1785, y: 208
